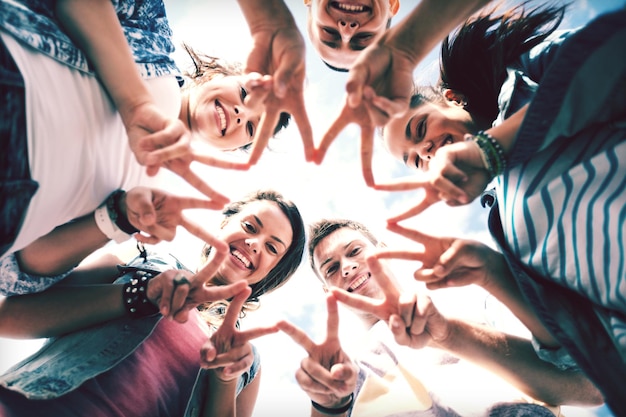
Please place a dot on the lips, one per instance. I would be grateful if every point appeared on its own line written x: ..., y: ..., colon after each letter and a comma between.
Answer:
x: 241, y: 259
x: 221, y: 118
x: 359, y: 281
x: 345, y: 7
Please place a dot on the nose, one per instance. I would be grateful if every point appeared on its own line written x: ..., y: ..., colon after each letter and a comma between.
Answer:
x: 426, y: 150
x: 239, y: 114
x: 253, y: 244
x: 348, y: 267
x: 347, y: 29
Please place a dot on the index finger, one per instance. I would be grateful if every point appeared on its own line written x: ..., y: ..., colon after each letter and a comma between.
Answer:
x: 357, y: 301
x: 194, y: 180
x: 304, y: 127
x: 298, y: 335
x: 413, y: 234
x: 367, y: 151
x: 400, y: 254
x: 332, y: 324
x: 331, y: 134
x: 265, y: 130
x: 234, y: 308
x: 384, y: 282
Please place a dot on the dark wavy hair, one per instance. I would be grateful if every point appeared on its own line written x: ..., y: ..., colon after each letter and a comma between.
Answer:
x: 290, y: 261
x: 474, y: 58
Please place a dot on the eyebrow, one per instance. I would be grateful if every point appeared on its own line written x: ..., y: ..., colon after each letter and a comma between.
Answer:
x: 333, y: 45
x: 276, y: 238
x: 330, y: 258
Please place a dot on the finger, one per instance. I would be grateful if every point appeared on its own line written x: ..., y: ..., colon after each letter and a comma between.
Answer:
x: 412, y: 212
x: 257, y: 332
x: 403, y: 184
x: 198, y: 203
x: 139, y: 203
x: 234, y: 308
x: 220, y: 162
x: 298, y: 335
x: 400, y: 254
x: 333, y: 131
x: 238, y: 366
x: 367, y: 152
x: 357, y: 79
x: 382, y: 278
x: 179, y: 295
x: 220, y: 292
x: 359, y: 302
x: 306, y: 132
x: 219, y: 252
x: 406, y: 306
x: 265, y: 130
x: 166, y: 295
x: 167, y: 144
x: 332, y: 324
x: 413, y: 234
x: 208, y: 352
x: 392, y: 108
x: 195, y: 181
x: 399, y: 330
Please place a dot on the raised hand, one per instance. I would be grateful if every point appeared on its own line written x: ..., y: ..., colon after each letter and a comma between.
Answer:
x: 392, y: 301
x: 157, y: 213
x: 228, y: 351
x: 448, y: 261
x: 327, y: 375
x: 176, y: 292
x: 278, y: 50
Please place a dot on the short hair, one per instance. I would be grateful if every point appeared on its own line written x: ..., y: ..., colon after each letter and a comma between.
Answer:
x: 322, y: 228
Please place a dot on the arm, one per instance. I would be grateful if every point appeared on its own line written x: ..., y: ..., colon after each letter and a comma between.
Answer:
x: 278, y: 50
x: 327, y: 375
x: 227, y: 355
x: 420, y: 324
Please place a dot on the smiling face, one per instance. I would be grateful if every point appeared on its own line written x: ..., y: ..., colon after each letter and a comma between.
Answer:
x: 421, y: 131
x: 258, y: 237
x: 340, y: 260
x: 339, y: 30
x: 219, y: 114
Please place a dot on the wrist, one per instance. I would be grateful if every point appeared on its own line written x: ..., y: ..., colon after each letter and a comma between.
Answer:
x: 336, y: 409
x: 111, y: 219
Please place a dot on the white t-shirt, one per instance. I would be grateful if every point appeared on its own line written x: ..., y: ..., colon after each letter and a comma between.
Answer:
x: 77, y: 144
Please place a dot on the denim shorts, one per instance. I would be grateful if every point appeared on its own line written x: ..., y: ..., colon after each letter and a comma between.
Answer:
x: 16, y: 186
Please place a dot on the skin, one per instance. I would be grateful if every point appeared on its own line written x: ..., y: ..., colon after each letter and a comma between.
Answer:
x: 221, y: 112
x: 339, y: 35
x: 256, y: 239
x: 415, y: 321
x: 414, y: 137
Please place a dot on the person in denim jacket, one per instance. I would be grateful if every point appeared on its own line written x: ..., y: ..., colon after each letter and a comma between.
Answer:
x: 110, y: 357
x: 50, y: 87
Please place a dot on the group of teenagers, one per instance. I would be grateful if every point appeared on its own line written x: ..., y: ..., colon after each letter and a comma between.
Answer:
x: 525, y: 116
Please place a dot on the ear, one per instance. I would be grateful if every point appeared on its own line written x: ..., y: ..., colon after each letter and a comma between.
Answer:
x: 455, y: 98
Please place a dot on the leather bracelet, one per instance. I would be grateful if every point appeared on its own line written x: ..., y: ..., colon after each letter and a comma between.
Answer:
x: 103, y: 216
x: 135, y: 297
x: 334, y: 411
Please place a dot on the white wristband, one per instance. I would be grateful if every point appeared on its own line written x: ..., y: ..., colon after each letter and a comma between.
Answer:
x: 107, y: 226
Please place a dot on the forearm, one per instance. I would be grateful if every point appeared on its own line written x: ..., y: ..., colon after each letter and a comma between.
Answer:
x: 427, y: 24
x: 93, y: 25
x: 59, y: 310
x: 266, y: 14
x: 63, y: 248
x: 220, y: 401
x: 514, y: 359
x: 506, y: 132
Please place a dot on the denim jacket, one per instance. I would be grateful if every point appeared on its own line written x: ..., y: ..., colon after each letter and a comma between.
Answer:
x: 66, y: 362
x: 144, y: 23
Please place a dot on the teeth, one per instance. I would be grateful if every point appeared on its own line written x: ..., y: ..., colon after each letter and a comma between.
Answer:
x: 359, y: 282
x: 350, y: 7
x: 220, y: 112
x: 241, y: 257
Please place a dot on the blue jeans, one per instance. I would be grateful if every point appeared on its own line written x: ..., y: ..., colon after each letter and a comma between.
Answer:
x: 16, y: 186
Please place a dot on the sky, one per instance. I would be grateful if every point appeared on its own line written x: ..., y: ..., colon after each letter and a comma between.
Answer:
x: 333, y: 189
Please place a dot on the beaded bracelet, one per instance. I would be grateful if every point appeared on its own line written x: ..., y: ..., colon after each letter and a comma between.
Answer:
x: 491, y: 152
x: 334, y: 411
x: 135, y: 295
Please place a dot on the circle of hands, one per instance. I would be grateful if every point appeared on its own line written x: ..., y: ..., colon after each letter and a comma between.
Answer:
x: 455, y: 176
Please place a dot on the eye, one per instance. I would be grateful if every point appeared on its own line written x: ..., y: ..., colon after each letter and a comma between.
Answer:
x: 243, y: 93
x: 448, y: 141
x: 421, y: 128
x: 272, y: 249
x: 248, y: 227
x: 355, y: 251
x: 331, y: 270
x: 250, y: 129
